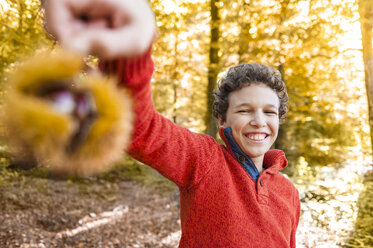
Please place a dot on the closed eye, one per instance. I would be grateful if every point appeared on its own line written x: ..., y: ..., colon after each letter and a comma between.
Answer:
x: 271, y: 112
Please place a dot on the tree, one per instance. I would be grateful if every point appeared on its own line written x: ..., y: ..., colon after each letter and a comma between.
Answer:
x: 199, y: 39
x: 213, y: 66
x: 180, y: 79
x: 366, y: 20
x: 362, y: 235
x: 298, y: 38
x: 21, y: 32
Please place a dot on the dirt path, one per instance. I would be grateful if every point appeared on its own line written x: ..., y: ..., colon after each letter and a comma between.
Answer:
x: 49, y: 213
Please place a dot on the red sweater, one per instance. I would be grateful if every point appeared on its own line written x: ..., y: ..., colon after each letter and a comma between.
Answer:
x: 221, y: 205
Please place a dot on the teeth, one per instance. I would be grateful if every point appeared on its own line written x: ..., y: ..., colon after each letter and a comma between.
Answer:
x: 256, y: 136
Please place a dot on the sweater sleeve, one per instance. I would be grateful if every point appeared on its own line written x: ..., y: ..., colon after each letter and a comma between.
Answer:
x: 177, y: 153
x: 296, y: 201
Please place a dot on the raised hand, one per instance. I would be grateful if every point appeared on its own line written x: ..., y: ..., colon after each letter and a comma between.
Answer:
x: 106, y: 28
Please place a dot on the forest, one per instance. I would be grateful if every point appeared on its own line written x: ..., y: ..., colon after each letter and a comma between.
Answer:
x: 324, y: 51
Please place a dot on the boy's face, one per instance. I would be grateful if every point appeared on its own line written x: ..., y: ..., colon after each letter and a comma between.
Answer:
x: 253, y: 115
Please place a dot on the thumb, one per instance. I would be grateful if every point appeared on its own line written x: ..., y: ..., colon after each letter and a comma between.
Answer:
x: 80, y: 44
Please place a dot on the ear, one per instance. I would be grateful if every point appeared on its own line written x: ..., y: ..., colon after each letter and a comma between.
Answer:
x: 220, y: 121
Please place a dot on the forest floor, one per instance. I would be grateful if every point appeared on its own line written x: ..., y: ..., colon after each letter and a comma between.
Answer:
x: 39, y: 212
x: 112, y: 211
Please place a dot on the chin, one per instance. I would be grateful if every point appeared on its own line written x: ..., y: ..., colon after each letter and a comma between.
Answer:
x: 254, y: 153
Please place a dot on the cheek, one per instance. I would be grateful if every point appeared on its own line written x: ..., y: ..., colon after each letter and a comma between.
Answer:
x: 238, y: 128
x: 239, y: 123
x: 275, y: 127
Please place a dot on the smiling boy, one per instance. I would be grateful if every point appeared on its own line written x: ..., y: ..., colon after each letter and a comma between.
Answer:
x: 251, y: 103
x: 252, y: 115
x: 231, y: 195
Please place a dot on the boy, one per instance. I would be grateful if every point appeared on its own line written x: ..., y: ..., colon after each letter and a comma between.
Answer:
x: 230, y: 196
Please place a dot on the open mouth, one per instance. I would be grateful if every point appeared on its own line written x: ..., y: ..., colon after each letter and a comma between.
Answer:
x: 256, y: 136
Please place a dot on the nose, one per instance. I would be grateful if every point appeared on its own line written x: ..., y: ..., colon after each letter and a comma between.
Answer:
x: 258, y: 120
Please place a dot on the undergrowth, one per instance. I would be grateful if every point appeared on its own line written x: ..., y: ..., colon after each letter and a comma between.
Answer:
x: 363, y: 232
x: 127, y: 169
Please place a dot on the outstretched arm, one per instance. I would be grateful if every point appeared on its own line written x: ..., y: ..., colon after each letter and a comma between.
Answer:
x: 177, y: 153
x: 120, y: 33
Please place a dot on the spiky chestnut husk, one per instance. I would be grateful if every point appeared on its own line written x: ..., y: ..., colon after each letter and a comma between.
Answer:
x: 40, y: 134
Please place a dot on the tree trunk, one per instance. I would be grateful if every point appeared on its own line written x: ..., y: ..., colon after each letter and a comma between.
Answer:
x: 175, y: 78
x: 362, y: 235
x: 213, y: 68
x: 245, y: 36
x: 366, y: 21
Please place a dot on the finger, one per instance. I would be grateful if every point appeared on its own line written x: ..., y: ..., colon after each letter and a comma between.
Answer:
x: 81, y: 38
x: 78, y: 44
x: 57, y: 16
x: 127, y: 42
x: 65, y: 17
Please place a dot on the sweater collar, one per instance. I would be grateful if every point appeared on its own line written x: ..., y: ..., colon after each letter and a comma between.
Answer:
x: 274, y: 160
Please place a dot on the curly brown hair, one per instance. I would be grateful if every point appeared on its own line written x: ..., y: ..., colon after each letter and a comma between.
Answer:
x: 243, y: 75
